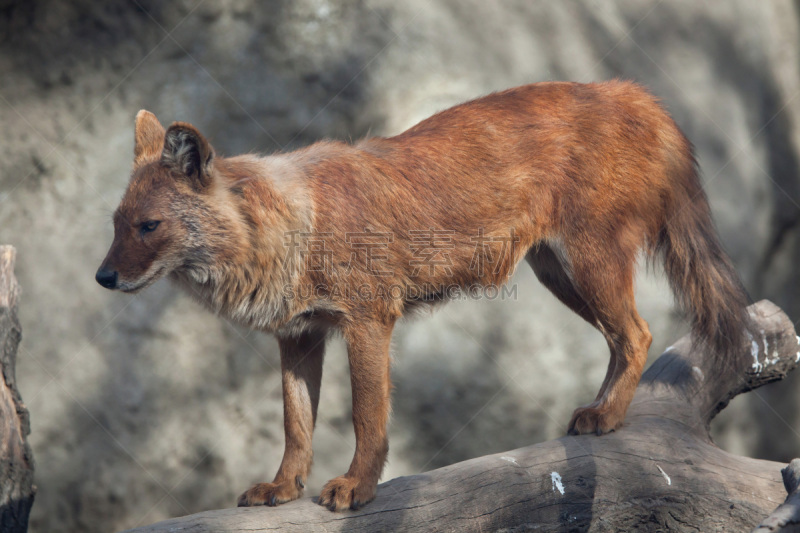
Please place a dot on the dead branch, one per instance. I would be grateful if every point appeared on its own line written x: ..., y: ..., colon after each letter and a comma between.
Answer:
x: 659, y: 471
x: 786, y: 518
x: 16, y: 474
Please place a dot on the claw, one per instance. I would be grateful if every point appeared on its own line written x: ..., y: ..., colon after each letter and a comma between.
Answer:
x: 270, y: 494
x: 343, y: 493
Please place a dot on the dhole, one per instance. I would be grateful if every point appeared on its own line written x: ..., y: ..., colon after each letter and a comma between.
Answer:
x: 574, y: 178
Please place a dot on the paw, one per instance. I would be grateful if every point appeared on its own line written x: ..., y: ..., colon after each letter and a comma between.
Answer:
x: 344, y: 492
x: 272, y: 494
x: 592, y: 419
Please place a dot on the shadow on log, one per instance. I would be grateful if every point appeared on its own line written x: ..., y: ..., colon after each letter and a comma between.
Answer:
x: 16, y: 472
x: 659, y: 471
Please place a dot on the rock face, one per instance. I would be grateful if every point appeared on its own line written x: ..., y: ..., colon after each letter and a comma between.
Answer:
x: 148, y: 407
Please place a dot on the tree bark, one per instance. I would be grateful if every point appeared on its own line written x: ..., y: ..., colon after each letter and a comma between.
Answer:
x: 660, y: 471
x: 16, y: 473
x: 786, y: 518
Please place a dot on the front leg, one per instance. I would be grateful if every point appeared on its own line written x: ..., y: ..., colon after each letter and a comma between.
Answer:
x: 368, y: 353
x: 301, y: 371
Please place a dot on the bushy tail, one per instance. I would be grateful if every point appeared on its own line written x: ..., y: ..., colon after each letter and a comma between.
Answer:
x: 699, y: 271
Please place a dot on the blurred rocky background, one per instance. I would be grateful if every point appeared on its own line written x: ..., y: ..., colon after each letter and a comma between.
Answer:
x: 148, y: 407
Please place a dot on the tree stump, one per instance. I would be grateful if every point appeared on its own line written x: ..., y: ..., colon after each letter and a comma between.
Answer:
x: 660, y: 471
x: 16, y: 475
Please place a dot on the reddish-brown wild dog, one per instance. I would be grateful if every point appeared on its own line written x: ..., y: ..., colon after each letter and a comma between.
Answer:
x: 343, y: 237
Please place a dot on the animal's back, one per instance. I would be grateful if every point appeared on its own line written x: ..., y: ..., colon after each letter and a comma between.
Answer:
x: 544, y: 159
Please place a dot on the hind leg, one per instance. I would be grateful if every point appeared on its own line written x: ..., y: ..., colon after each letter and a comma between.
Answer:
x: 604, y: 278
x: 553, y: 274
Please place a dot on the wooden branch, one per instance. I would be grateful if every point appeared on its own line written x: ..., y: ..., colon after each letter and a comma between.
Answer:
x: 686, y: 386
x: 786, y: 518
x: 660, y: 471
x: 16, y: 474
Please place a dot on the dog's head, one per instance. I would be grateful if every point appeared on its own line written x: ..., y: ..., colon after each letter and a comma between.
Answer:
x: 158, y: 224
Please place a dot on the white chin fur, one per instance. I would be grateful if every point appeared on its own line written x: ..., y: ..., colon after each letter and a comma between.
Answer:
x: 130, y: 287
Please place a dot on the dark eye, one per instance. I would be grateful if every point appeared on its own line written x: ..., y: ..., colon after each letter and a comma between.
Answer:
x: 149, y: 226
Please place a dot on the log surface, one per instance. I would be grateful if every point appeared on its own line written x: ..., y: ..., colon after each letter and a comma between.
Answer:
x: 16, y: 473
x: 786, y: 518
x: 660, y: 471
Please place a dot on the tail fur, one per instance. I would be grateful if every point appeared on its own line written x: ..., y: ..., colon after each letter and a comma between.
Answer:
x: 700, y: 273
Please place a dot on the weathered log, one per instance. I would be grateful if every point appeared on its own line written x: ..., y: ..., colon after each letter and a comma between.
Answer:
x: 660, y: 471
x: 786, y: 518
x: 16, y: 474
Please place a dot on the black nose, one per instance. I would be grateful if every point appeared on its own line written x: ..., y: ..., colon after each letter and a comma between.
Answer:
x: 106, y: 278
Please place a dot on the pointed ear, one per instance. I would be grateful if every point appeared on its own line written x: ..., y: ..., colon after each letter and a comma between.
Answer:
x: 149, y: 138
x: 189, y: 153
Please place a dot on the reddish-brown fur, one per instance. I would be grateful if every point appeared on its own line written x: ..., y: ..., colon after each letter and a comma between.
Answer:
x: 574, y: 178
